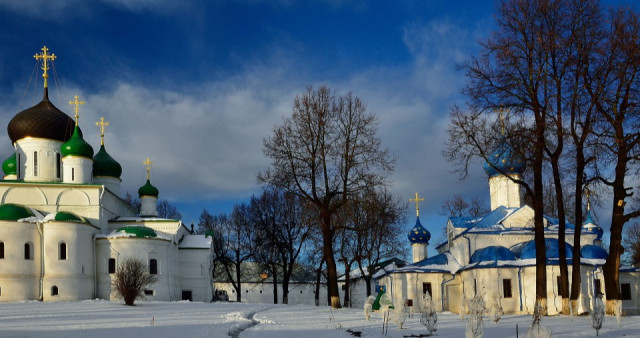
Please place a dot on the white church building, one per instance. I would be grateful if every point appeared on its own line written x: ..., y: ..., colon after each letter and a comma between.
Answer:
x: 495, y: 254
x: 64, y: 227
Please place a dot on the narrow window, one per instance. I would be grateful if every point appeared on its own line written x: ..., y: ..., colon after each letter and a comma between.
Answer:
x: 426, y: 287
x: 148, y: 292
x: 73, y: 174
x: 1, y: 250
x: 112, y: 265
x: 475, y: 287
x: 62, y: 251
x: 625, y: 291
x: 35, y: 163
x: 27, y: 251
x: 54, y: 290
x: 58, y: 165
x: 597, y: 287
x: 344, y: 287
x: 506, y: 288
x: 153, y: 266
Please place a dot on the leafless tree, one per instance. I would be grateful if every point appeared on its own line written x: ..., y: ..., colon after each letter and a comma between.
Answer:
x: 167, y: 210
x: 327, y: 152
x: 631, y: 243
x: 131, y: 279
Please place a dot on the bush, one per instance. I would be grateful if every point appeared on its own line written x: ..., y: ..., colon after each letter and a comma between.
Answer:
x: 131, y: 279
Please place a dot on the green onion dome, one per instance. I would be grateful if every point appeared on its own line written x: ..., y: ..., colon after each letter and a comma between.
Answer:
x: 14, y: 212
x: 43, y: 120
x: 65, y: 216
x: 76, y: 146
x: 9, y: 165
x: 138, y: 231
x: 148, y: 190
x: 105, y: 165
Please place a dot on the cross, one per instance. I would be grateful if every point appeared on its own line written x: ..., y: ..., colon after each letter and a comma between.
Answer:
x: 587, y: 194
x: 102, y: 124
x: 417, y: 200
x: 147, y: 165
x: 501, y: 117
x: 77, y: 105
x: 45, y: 58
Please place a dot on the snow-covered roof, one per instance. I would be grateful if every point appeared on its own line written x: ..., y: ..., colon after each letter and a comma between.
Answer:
x: 195, y: 242
x: 443, y: 262
x: 143, y: 219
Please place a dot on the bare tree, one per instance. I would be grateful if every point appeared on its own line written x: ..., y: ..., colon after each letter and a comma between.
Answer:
x: 326, y: 153
x: 631, y: 243
x: 131, y: 279
x: 168, y: 210
x: 282, y: 223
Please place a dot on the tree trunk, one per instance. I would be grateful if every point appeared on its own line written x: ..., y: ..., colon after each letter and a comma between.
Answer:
x: 538, y: 219
x: 275, y: 286
x: 367, y: 281
x: 347, y: 284
x: 332, y: 274
x: 575, y: 267
x: 318, y: 278
x: 239, y: 284
x: 611, y: 267
x: 562, y: 250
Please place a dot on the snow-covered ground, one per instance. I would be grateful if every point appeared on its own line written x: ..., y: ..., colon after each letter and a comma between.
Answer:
x: 184, y: 319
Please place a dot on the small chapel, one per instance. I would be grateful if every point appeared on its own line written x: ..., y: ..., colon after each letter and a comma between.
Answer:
x: 495, y: 255
x: 64, y: 226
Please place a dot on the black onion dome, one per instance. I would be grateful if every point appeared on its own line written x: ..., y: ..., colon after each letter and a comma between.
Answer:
x: 43, y: 120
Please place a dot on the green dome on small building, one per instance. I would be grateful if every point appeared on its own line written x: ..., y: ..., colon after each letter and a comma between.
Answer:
x: 138, y: 231
x: 14, y: 212
x: 9, y: 165
x: 105, y: 165
x: 76, y: 146
x: 148, y: 190
x: 65, y: 216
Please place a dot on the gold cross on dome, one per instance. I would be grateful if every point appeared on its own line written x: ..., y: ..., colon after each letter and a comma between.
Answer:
x: 147, y: 165
x: 76, y: 105
x: 45, y: 59
x: 417, y: 200
x: 102, y: 124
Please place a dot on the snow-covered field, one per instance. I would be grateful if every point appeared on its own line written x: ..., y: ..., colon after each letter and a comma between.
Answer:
x: 183, y: 319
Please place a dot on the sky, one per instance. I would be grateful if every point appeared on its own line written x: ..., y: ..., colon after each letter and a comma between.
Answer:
x: 197, y: 85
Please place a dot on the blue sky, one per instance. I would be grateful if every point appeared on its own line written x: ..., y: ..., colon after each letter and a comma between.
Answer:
x: 197, y: 85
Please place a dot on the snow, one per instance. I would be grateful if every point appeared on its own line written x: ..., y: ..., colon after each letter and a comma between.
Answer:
x: 100, y: 318
x: 195, y: 241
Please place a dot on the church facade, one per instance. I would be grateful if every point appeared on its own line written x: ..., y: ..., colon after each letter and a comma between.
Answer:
x: 494, y: 254
x: 64, y: 227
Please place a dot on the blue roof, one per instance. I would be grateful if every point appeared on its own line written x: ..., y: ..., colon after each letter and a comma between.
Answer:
x: 492, y: 254
x: 418, y: 234
x: 504, y: 160
x: 443, y: 262
x: 464, y: 222
x: 492, y: 219
x: 593, y: 251
x: 551, y: 248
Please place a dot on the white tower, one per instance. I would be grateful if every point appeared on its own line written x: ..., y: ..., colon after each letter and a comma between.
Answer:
x: 148, y: 194
x: 77, y: 154
x: 418, y: 236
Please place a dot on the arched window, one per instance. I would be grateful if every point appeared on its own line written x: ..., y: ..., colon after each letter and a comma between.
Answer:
x: 58, y: 165
x: 112, y: 265
x: 153, y: 266
x: 27, y: 251
x: 35, y: 163
x: 1, y: 250
x: 54, y: 290
x: 62, y: 251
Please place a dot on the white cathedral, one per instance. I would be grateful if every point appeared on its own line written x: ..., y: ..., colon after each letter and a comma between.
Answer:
x: 495, y: 254
x: 64, y: 227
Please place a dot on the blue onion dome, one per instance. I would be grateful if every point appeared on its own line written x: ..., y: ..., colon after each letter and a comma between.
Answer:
x: 138, y: 231
x: 43, y: 120
x: 492, y: 254
x: 591, y: 228
x: 593, y: 252
x: 76, y: 146
x: 419, y: 235
x: 105, y: 165
x: 9, y: 166
x: 551, y: 247
x: 148, y: 190
x: 504, y: 158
